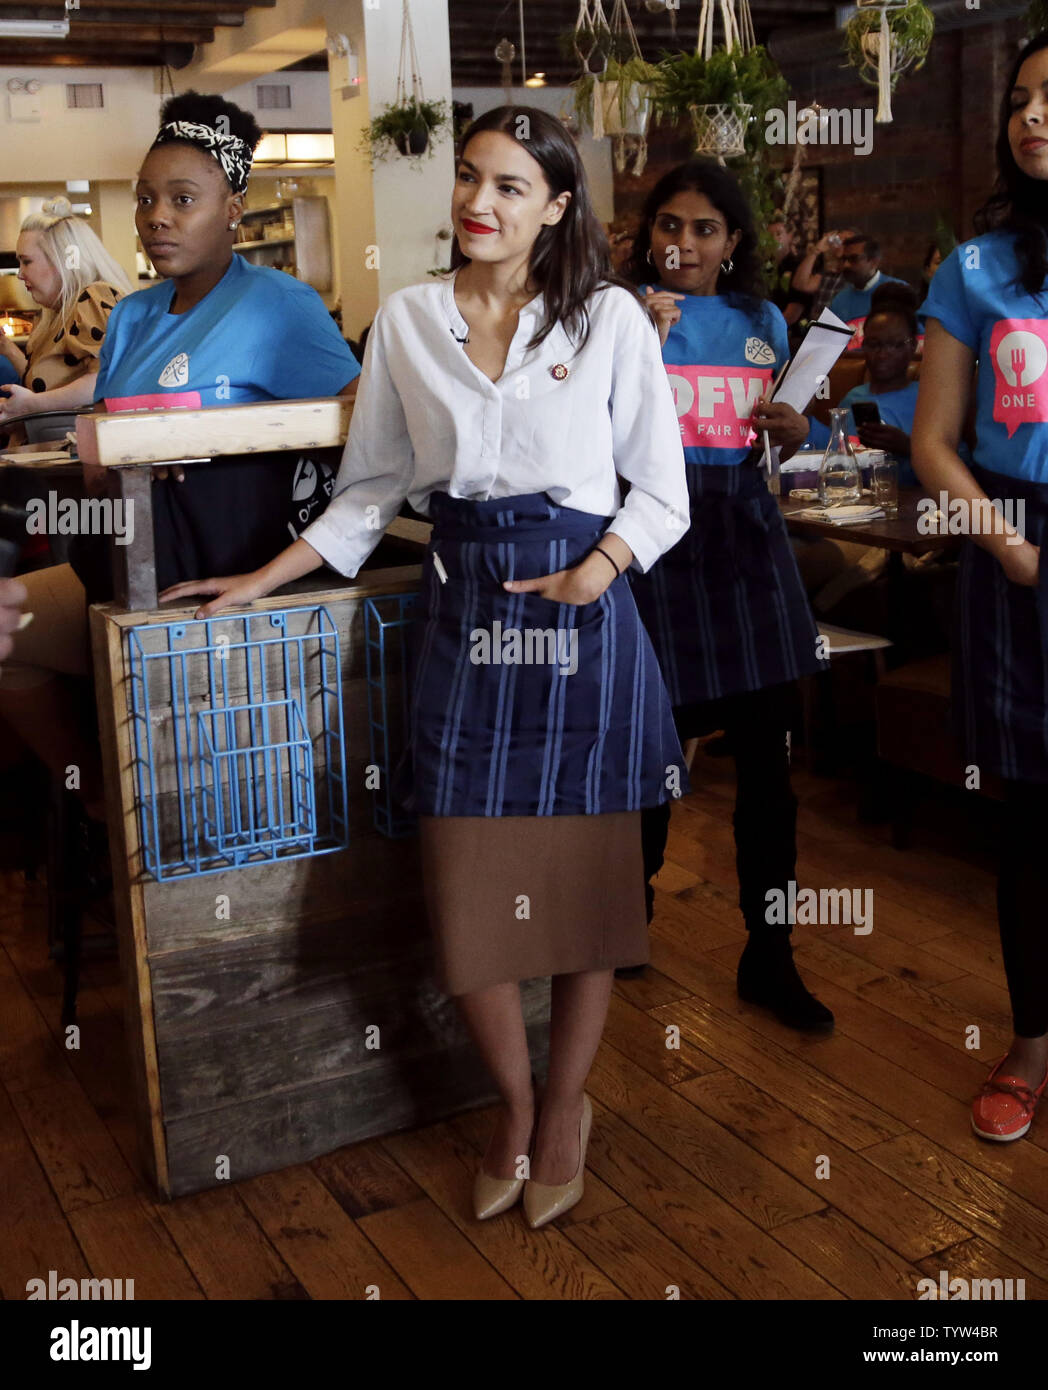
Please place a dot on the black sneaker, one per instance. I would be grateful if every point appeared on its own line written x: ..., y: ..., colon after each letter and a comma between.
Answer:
x: 767, y: 976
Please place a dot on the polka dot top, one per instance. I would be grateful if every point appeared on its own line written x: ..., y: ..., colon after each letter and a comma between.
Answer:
x: 63, y: 356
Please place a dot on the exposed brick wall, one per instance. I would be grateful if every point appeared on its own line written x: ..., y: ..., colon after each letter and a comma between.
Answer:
x: 935, y: 159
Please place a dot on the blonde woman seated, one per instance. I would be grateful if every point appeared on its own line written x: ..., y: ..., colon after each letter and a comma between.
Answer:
x: 77, y: 283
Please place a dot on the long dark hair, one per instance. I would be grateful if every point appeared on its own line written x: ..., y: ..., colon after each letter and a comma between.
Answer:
x: 571, y: 259
x: 744, y: 285
x: 1019, y: 203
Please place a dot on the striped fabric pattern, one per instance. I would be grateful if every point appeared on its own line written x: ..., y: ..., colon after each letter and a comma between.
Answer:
x: 514, y: 738
x: 726, y: 607
x: 1000, y: 657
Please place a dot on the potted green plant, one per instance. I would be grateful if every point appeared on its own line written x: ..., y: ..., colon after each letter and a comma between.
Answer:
x: 910, y: 27
x: 624, y: 92
x: 407, y: 128
x: 725, y: 96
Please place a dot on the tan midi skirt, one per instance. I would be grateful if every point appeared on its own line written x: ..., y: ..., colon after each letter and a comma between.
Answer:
x: 515, y: 898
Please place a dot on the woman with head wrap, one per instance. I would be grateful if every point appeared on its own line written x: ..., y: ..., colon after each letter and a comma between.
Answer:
x: 216, y: 331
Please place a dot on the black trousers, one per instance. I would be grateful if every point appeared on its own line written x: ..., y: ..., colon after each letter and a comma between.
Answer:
x: 1021, y: 905
x: 756, y: 724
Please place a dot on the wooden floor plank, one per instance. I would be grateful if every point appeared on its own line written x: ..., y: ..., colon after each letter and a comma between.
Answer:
x: 222, y: 1244
x: 642, y: 1259
x: 363, y: 1178
x: 1023, y: 1168
x: 77, y: 1152
x: 434, y: 1259
x: 974, y: 1259
x: 761, y: 1190
x: 325, y: 1249
x: 1004, y: 1220
x: 125, y: 1239
x: 855, y: 1261
x: 644, y: 1038
x: 745, y: 1259
x: 34, y: 1233
x: 837, y: 1176
x: 973, y: 957
x: 29, y: 1054
x: 764, y: 1063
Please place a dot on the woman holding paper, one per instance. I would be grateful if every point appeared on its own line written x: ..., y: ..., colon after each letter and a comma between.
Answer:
x: 725, y: 607
x: 986, y: 306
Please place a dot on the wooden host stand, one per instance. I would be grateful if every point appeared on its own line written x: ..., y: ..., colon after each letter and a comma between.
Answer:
x: 248, y: 1035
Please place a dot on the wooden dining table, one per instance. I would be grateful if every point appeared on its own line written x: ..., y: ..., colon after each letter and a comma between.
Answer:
x: 899, y: 535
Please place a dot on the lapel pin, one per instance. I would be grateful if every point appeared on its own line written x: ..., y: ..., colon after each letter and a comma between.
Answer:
x: 559, y: 372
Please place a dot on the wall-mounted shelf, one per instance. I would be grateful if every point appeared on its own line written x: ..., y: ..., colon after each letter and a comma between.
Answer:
x: 309, y: 239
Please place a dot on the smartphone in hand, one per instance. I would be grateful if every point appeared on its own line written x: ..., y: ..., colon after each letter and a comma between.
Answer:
x: 865, y: 413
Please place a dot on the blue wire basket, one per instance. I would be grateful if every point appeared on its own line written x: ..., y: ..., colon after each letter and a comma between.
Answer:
x: 239, y: 740
x: 386, y: 623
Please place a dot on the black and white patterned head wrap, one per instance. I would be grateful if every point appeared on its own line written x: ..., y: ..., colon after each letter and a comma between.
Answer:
x: 232, y: 153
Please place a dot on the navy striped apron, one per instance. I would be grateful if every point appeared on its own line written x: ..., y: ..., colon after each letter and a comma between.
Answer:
x: 494, y: 735
x: 726, y: 607
x: 1000, y: 658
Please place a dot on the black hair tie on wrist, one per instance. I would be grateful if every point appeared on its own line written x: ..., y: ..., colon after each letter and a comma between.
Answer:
x: 611, y: 562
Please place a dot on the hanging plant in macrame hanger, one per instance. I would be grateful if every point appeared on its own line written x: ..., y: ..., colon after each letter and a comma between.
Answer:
x: 615, y: 99
x: 720, y: 126
x: 885, y: 38
x: 409, y: 123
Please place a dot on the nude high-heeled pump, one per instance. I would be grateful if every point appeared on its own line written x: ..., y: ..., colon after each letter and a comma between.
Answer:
x: 492, y: 1196
x: 544, y: 1202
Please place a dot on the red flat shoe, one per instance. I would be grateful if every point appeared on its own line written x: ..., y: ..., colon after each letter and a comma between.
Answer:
x: 1004, y: 1108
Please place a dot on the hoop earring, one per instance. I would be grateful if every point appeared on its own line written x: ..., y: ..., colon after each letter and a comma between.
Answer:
x: 727, y: 269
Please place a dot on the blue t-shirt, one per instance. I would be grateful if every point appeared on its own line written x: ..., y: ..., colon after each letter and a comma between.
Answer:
x: 977, y: 297
x: 720, y: 360
x: 259, y: 335
x: 8, y: 374
x: 852, y: 306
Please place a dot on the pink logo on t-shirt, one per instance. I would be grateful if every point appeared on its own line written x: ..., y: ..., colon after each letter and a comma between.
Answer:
x: 1019, y: 353
x: 168, y: 400
x: 714, y: 404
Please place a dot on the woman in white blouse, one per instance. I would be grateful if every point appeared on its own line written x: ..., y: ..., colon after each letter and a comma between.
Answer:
x: 502, y: 402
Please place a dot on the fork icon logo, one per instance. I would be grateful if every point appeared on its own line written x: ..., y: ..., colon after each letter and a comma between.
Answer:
x: 1019, y: 353
x: 1022, y: 358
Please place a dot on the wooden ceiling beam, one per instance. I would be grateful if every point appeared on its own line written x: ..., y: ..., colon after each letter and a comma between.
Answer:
x: 31, y: 54
x: 86, y: 31
x: 117, y: 12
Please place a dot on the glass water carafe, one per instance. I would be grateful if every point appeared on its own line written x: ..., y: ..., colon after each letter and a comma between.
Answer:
x: 840, y: 481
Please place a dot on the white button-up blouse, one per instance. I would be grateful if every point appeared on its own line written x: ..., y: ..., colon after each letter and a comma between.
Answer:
x: 427, y: 419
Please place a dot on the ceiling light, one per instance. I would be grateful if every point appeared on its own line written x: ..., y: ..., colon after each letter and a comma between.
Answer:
x: 295, y: 147
x: 34, y: 28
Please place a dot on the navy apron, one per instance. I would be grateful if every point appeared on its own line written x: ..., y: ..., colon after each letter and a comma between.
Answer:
x: 1000, y: 658
x: 726, y: 607
x: 588, y: 732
